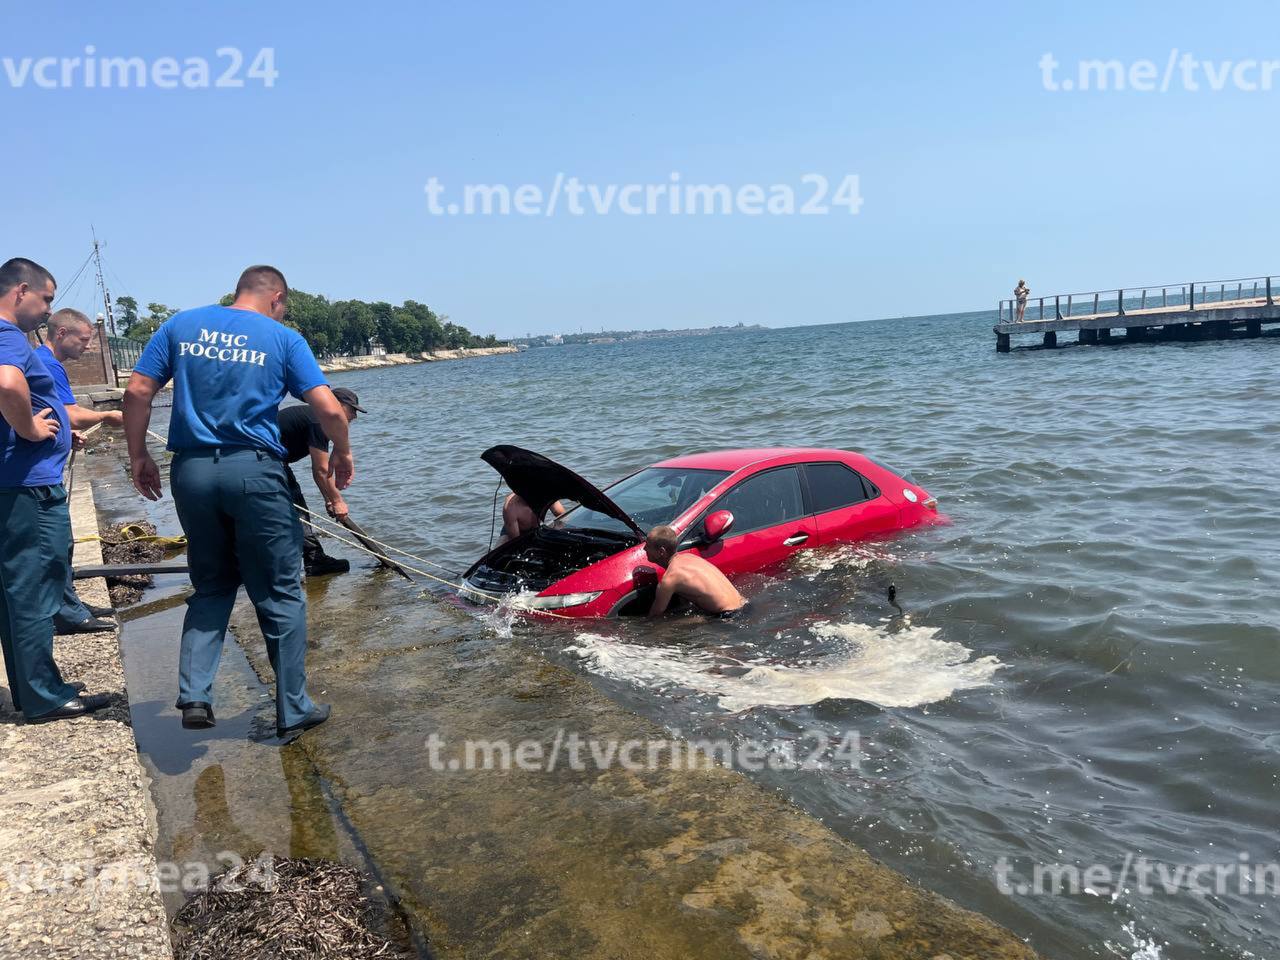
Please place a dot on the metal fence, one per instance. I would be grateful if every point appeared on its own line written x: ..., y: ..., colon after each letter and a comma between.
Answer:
x: 125, y: 352
x: 1250, y: 291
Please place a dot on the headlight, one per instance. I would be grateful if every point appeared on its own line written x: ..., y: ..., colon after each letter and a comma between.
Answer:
x: 561, y: 600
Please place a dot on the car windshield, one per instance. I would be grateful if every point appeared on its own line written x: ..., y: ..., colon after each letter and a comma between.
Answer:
x: 651, y: 497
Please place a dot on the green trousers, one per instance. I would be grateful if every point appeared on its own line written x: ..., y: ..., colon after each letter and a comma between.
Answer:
x: 33, y: 574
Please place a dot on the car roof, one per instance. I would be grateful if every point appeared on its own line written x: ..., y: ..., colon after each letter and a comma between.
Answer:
x: 734, y: 460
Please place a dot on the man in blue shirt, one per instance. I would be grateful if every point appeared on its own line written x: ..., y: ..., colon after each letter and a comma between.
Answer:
x: 35, y: 440
x: 68, y: 335
x: 231, y: 367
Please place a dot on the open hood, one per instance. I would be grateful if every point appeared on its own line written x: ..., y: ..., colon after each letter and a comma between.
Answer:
x: 540, y: 482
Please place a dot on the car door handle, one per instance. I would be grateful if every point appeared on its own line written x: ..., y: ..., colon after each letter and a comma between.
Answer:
x: 795, y: 539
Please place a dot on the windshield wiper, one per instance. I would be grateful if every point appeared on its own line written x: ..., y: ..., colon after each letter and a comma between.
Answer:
x: 628, y: 536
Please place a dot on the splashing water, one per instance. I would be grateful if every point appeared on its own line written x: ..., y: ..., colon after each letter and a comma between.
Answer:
x: 854, y: 556
x: 501, y: 618
x: 1143, y: 949
x: 908, y: 668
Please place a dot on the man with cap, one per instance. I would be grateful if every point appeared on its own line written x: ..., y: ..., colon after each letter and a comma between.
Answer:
x: 302, y: 436
x: 69, y: 334
x: 35, y: 440
x: 231, y: 367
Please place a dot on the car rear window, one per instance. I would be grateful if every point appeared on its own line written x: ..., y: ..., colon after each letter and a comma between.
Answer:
x: 834, y: 485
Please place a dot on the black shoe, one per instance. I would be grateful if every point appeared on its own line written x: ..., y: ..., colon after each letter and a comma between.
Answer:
x: 76, y: 685
x: 75, y: 707
x: 324, y: 564
x: 97, y: 611
x: 317, y: 716
x: 92, y: 625
x: 198, y: 716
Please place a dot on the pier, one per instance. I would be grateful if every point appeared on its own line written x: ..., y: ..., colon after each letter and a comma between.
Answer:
x: 1179, y: 311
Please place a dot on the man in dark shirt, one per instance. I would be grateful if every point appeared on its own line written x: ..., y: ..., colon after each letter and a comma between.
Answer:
x: 302, y: 436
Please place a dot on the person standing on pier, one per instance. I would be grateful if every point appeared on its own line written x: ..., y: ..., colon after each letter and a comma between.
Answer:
x: 68, y: 335
x: 1020, y: 294
x: 231, y: 367
x: 35, y: 440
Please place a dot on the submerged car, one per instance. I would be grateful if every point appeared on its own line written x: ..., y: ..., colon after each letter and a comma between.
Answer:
x: 745, y: 511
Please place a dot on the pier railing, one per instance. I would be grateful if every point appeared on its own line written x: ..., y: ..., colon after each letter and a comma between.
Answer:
x: 1193, y: 295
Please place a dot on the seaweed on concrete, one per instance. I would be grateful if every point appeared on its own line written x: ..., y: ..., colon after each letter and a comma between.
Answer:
x: 278, y: 907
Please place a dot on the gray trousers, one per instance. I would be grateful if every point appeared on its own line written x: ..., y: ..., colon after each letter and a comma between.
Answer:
x: 241, y: 527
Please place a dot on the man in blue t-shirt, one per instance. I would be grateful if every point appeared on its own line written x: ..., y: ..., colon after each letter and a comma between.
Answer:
x: 231, y: 367
x: 35, y: 440
x: 68, y: 335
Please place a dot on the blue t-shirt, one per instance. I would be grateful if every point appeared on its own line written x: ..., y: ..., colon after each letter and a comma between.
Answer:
x: 23, y: 463
x: 58, y: 372
x: 230, y: 370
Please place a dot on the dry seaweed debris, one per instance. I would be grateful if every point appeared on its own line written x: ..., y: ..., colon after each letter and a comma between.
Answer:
x: 117, y: 547
x: 277, y: 907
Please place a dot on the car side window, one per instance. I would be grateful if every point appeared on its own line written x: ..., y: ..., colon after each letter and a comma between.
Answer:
x: 764, y: 500
x: 834, y: 485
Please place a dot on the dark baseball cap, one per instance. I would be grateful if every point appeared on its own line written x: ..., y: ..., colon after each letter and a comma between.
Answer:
x: 348, y: 397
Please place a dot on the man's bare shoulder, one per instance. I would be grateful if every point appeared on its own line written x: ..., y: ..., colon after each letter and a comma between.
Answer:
x: 689, y: 563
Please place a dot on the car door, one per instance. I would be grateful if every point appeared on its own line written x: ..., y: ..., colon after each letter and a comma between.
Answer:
x: 846, y: 505
x: 771, y: 521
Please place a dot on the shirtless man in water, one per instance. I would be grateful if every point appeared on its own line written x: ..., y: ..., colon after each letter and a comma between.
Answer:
x: 689, y: 576
x: 518, y: 517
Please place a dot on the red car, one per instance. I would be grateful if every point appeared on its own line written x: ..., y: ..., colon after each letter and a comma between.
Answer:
x: 742, y: 510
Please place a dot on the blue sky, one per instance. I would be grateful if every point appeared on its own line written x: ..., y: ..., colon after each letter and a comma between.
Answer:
x: 971, y: 172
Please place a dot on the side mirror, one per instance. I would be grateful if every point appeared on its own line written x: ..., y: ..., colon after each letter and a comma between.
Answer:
x: 718, y: 524
x: 644, y: 576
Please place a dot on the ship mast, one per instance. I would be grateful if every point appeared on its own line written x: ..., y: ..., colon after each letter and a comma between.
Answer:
x: 102, y: 284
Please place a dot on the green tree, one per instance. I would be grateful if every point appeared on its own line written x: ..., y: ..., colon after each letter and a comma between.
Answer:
x: 126, y: 314
x: 312, y: 316
x: 344, y: 327
x: 426, y: 325
x: 384, y: 323
x: 406, y: 331
x: 143, y: 328
x: 356, y: 326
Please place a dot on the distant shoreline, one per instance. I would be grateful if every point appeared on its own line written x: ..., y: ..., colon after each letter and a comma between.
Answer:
x: 345, y: 364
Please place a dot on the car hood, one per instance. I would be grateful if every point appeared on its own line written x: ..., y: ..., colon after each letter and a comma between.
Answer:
x: 540, y: 482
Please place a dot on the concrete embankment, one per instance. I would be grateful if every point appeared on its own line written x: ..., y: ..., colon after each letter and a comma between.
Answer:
x: 343, y: 364
x: 77, y: 867
x: 589, y: 862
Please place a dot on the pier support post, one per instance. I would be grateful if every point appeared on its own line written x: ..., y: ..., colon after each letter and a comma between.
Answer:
x: 1002, y: 343
x: 1088, y: 336
x: 1050, y: 339
x: 1135, y: 333
x: 1253, y: 328
x: 1103, y: 334
x: 1222, y: 329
